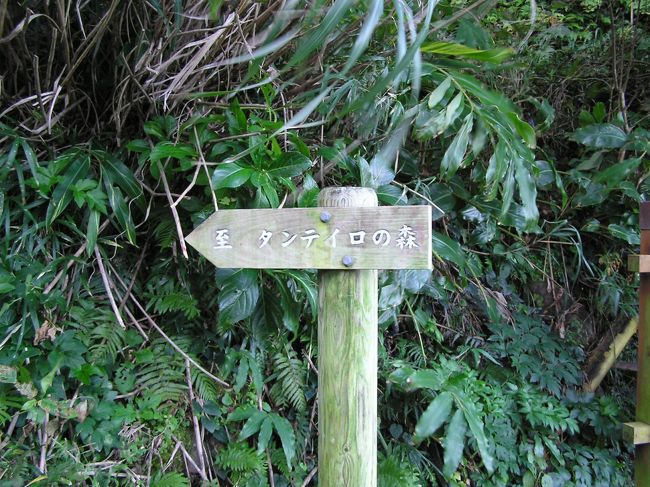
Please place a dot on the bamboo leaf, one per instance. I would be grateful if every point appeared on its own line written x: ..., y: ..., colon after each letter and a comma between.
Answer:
x: 62, y: 194
x: 454, y: 156
x: 121, y: 211
x: 363, y: 38
x: 527, y: 191
x: 92, y: 231
x: 438, y: 94
x: 495, y: 56
x: 317, y: 38
x: 524, y: 130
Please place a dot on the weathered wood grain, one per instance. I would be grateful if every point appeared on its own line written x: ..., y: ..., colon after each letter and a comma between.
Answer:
x: 638, y: 263
x: 636, y: 433
x: 347, y: 366
x: 299, y: 238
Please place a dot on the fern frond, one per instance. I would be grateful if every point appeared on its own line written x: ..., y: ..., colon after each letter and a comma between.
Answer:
x: 241, y: 459
x: 171, y: 479
x: 107, y: 339
x: 163, y: 375
x: 204, y: 387
x: 165, y: 233
x: 393, y: 473
x: 290, y: 375
x: 177, y: 301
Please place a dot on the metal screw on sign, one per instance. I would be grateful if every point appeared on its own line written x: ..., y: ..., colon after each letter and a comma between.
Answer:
x: 347, y: 230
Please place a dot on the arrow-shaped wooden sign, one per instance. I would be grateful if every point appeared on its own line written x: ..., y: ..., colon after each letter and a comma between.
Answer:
x: 389, y: 237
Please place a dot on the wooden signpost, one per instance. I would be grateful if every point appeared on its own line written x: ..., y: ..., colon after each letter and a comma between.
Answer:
x: 349, y: 238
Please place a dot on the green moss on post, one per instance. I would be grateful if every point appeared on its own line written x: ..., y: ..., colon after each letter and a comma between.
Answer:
x: 347, y: 364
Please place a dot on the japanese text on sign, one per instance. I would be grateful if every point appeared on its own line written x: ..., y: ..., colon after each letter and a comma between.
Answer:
x: 405, y: 239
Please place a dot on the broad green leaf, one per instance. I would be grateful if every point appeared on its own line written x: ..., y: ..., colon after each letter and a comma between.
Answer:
x: 241, y: 413
x: 309, y: 196
x: 615, y: 173
x: 448, y: 249
x: 306, y: 282
x: 476, y: 427
x: 391, y: 195
x: 62, y: 194
x: 601, y: 136
x: 434, y: 416
x: 454, y: 443
x: 252, y: 425
x: 265, y: 434
x: 630, y: 235
x: 453, y: 158
x: 438, y: 94
x: 289, y: 165
x: 495, y: 56
x: 163, y: 150
x: 239, y: 292
x: 287, y: 437
x: 230, y: 175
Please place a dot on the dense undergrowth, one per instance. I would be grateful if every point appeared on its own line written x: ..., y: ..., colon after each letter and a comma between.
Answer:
x: 126, y: 358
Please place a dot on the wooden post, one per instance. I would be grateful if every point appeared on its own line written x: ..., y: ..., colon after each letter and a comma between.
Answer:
x: 642, y: 451
x: 349, y: 237
x: 347, y: 364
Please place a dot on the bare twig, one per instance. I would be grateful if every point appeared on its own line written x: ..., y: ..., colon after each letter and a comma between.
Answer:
x: 177, y: 220
x: 195, y: 421
x: 189, y: 458
x: 42, y: 463
x: 309, y: 477
x: 167, y: 339
x: 107, y: 286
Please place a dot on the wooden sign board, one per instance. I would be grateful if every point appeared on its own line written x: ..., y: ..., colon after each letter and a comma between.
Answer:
x: 390, y: 237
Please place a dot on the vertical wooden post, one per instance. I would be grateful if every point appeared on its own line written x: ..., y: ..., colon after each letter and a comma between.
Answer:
x: 642, y: 451
x: 347, y: 364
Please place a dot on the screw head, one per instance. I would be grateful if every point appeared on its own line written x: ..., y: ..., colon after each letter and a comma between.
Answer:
x: 347, y: 261
x: 325, y: 217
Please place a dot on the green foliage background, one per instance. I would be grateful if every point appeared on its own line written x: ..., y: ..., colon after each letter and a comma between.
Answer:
x: 126, y: 358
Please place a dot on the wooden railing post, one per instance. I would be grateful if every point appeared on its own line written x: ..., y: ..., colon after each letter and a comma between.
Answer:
x: 642, y: 452
x: 347, y: 364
